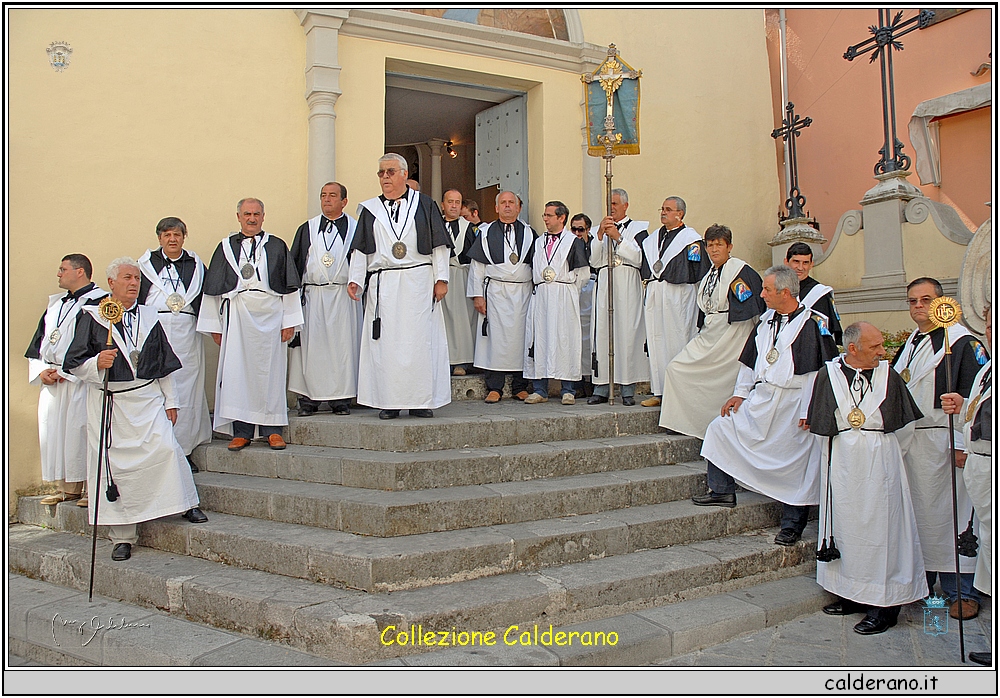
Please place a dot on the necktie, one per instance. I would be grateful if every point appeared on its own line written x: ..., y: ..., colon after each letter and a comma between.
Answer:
x: 663, y: 241
x: 394, y: 205
x: 550, y: 243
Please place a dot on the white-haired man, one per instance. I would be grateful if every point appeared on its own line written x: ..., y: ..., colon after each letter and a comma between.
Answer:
x: 400, y: 264
x: 145, y: 474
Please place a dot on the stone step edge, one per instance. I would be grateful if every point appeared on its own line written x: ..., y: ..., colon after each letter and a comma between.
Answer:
x: 347, y: 626
x: 347, y: 560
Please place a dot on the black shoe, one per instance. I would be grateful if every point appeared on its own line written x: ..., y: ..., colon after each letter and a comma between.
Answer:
x: 983, y: 658
x: 874, y: 623
x: 122, y: 552
x: 422, y: 413
x: 596, y: 399
x: 195, y: 515
x: 628, y: 401
x: 306, y: 410
x: 194, y: 468
x: 388, y: 414
x: 844, y: 607
x: 787, y: 536
x: 341, y: 409
x: 711, y: 499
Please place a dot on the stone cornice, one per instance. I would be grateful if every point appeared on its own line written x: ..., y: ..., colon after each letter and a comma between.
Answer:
x: 881, y: 298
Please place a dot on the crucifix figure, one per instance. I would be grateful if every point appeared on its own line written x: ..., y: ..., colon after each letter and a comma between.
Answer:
x: 790, y: 129
x: 885, y: 40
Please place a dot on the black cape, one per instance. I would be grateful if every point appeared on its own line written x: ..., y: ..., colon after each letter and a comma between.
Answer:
x: 964, y: 364
x: 825, y: 306
x: 679, y: 269
x: 156, y: 359
x: 898, y: 409
x: 810, y: 350
x: 184, y: 266
x: 470, y: 239
x: 428, y: 220
x: 578, y: 257
x: 302, y: 241
x: 34, y: 350
x: 281, y: 273
x: 492, y: 235
x: 740, y: 311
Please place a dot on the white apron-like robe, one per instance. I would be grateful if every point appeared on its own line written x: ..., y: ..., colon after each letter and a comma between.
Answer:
x: 194, y: 426
x: 586, y: 308
x: 62, y: 406
x: 147, y: 463
x: 407, y: 367
x: 507, y: 290
x: 700, y: 379
x: 552, y: 342
x: 631, y: 362
x: 761, y: 444
x: 928, y: 463
x: 670, y: 310
x: 459, y: 315
x: 873, y: 520
x: 978, y: 476
x: 325, y: 364
x: 253, y: 360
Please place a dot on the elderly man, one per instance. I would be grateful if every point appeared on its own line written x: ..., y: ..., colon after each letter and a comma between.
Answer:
x: 251, y: 307
x: 920, y: 363
x: 757, y: 440
x: 401, y: 261
x: 866, y: 413
x: 500, y: 288
x: 62, y: 402
x: 172, y: 280
x: 323, y: 360
x: 674, y: 260
x: 551, y: 338
x: 814, y: 295
x: 459, y: 313
x: 618, y: 232
x: 978, y: 472
x: 144, y: 463
x: 701, y: 378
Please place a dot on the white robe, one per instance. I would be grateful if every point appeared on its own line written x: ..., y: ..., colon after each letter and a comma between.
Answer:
x: 325, y: 364
x: 700, y: 379
x: 551, y: 326
x: 761, y: 444
x: 252, y: 358
x: 928, y: 463
x: 62, y: 406
x: 586, y: 308
x: 459, y: 315
x: 670, y: 310
x: 631, y: 362
x: 873, y: 521
x: 507, y: 290
x: 407, y: 367
x: 147, y: 463
x: 193, y: 425
x: 978, y: 477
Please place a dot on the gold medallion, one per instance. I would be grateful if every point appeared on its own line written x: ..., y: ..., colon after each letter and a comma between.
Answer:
x: 856, y: 418
x: 175, y: 302
x: 617, y: 260
x: 134, y: 355
x: 971, y: 412
x: 513, y: 258
x: 658, y: 267
x: 771, y: 356
x: 247, y: 270
x: 327, y: 259
x: 54, y: 336
x: 399, y: 249
x: 905, y: 375
x: 548, y: 274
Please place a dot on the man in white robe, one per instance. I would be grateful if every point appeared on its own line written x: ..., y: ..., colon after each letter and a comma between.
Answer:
x: 700, y: 379
x: 814, y: 295
x: 172, y: 279
x: 400, y: 264
x: 618, y: 232
x: 551, y: 340
x: 500, y: 287
x: 459, y: 314
x: 674, y: 261
x: 921, y: 364
x: 323, y: 359
x: 251, y: 308
x: 757, y: 440
x: 144, y: 474
x: 62, y: 401
x: 870, y: 553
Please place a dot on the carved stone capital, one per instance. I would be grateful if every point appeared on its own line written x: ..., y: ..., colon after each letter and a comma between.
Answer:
x: 892, y: 185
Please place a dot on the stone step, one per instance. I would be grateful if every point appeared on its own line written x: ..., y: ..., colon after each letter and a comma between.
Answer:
x: 472, y: 424
x: 420, y: 560
x: 386, y: 470
x: 472, y: 387
x: 346, y: 625
x: 376, y: 513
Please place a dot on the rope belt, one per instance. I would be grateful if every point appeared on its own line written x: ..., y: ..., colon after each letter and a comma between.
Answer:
x: 171, y: 312
x: 486, y: 299
x: 377, y: 322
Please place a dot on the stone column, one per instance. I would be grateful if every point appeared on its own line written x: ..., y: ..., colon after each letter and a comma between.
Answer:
x: 436, y: 146
x: 883, y: 209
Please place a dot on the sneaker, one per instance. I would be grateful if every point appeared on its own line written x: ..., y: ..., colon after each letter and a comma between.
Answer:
x: 534, y: 399
x: 568, y: 399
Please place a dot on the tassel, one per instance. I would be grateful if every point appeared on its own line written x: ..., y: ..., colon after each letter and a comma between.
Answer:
x: 112, y: 492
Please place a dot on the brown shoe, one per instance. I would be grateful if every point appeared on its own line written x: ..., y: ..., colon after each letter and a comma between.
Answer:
x: 459, y: 371
x: 493, y: 397
x: 522, y: 395
x: 651, y: 402
x: 970, y: 609
x: 276, y: 442
x: 83, y: 502
x: 53, y: 499
x: 238, y: 444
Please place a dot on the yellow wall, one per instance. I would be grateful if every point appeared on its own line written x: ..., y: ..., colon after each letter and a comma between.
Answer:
x: 160, y: 112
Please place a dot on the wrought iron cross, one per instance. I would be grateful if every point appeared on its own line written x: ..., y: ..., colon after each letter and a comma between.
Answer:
x: 791, y: 128
x: 884, y: 40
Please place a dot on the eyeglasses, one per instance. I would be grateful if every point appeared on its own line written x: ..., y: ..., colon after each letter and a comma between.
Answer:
x: 578, y: 230
x: 391, y: 172
x: 926, y: 300
x: 668, y: 210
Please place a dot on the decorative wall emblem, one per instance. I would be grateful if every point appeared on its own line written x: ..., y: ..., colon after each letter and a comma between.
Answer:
x: 59, y: 53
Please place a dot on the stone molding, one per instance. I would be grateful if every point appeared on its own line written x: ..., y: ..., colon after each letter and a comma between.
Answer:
x: 976, y: 282
x: 849, y: 224
x: 945, y: 218
x: 887, y: 297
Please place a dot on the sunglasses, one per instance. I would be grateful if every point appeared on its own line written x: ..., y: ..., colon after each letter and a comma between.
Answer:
x: 391, y: 172
x: 578, y: 230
